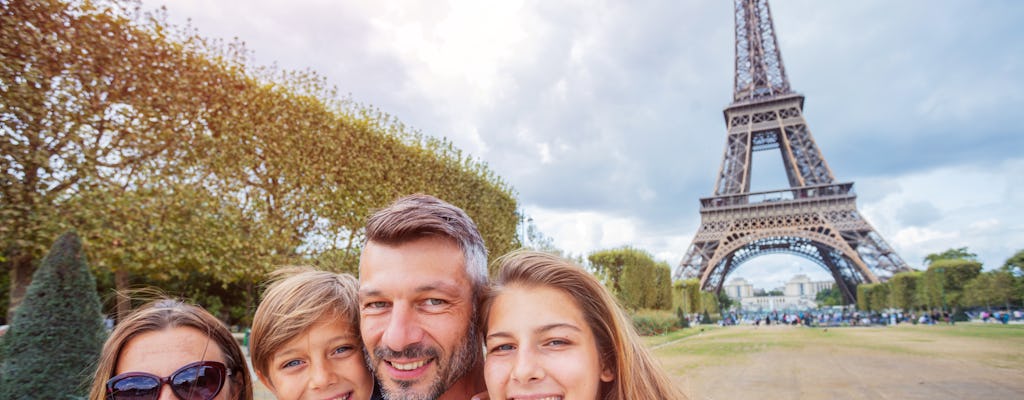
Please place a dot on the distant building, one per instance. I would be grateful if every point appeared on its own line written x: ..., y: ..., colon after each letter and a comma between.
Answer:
x: 799, y: 293
x: 739, y: 288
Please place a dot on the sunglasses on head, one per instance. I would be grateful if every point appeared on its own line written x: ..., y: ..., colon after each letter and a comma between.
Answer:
x: 200, y: 380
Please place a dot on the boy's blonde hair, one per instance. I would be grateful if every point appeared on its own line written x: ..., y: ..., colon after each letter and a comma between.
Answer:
x: 297, y: 299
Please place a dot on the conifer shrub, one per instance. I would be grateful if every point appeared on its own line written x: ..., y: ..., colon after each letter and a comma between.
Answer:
x: 57, y: 332
x: 682, y: 320
x: 706, y: 319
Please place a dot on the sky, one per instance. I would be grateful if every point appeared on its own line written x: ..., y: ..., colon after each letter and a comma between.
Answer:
x: 606, y: 116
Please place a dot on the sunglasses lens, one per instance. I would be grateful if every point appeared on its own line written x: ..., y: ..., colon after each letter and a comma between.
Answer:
x: 136, y: 388
x: 197, y: 383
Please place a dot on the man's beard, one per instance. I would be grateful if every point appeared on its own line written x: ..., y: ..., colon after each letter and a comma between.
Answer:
x: 464, y: 358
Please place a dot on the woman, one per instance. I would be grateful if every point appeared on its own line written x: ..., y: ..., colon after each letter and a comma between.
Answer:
x: 553, y: 331
x: 305, y: 338
x: 170, y: 345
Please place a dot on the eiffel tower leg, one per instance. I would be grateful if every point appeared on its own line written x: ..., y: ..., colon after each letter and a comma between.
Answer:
x: 846, y: 288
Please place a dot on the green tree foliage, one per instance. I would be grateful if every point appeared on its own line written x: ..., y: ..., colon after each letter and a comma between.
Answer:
x: 879, y: 297
x: 903, y: 290
x: 1015, y: 266
x: 724, y: 301
x: 687, y: 295
x: 864, y: 296
x: 57, y: 331
x: 829, y: 297
x: 942, y: 284
x: 992, y: 288
x: 179, y: 162
x: 951, y: 254
x: 634, y: 277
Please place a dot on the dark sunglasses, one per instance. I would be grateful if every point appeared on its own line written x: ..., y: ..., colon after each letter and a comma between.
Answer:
x: 200, y: 380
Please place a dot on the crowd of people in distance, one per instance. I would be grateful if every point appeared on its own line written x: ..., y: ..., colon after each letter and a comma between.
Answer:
x: 831, y: 318
x: 421, y: 321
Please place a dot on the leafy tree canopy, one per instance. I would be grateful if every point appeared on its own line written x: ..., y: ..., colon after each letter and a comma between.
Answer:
x: 951, y: 254
x: 178, y: 161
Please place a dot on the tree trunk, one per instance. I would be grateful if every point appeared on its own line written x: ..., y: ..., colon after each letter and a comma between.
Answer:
x: 121, y: 285
x: 21, y: 277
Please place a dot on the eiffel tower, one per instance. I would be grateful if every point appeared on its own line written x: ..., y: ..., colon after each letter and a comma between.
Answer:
x: 815, y: 218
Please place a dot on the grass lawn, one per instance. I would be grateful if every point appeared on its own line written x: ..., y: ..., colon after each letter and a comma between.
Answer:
x: 941, y: 361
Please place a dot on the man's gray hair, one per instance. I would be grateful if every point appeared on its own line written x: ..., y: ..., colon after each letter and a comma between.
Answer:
x: 420, y: 215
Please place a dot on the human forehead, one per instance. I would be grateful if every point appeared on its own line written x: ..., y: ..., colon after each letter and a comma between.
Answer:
x: 162, y: 352
x: 419, y: 264
x: 534, y: 308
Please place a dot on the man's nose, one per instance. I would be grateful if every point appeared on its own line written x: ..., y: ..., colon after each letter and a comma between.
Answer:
x: 403, y: 328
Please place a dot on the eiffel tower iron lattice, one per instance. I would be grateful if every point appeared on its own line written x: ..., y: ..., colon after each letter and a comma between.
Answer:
x: 815, y: 218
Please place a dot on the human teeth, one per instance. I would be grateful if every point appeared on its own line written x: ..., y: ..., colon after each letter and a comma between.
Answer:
x: 410, y: 366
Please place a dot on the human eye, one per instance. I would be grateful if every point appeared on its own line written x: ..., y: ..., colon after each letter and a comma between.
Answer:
x: 376, y: 306
x: 557, y: 342
x: 342, y: 350
x: 434, y: 302
x: 501, y: 348
x: 291, y: 364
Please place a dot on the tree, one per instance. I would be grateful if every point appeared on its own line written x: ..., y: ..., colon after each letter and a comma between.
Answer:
x: 634, y: 277
x: 903, y: 289
x: 829, y: 297
x: 864, y: 296
x: 942, y: 284
x: 977, y: 293
x: 724, y: 302
x: 951, y: 254
x: 662, y: 287
x: 879, y: 297
x: 991, y: 288
x: 183, y: 166
x: 57, y: 332
x: 1015, y: 266
x: 687, y: 295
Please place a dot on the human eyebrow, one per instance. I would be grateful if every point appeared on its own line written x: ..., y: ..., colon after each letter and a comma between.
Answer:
x: 440, y: 286
x: 498, y: 335
x: 286, y: 353
x: 369, y: 292
x: 550, y: 327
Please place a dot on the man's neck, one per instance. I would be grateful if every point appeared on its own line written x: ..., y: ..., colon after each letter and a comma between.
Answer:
x: 466, y: 387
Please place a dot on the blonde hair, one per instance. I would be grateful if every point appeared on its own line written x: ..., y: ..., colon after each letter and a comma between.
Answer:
x: 297, y: 299
x: 637, y: 374
x: 163, y: 314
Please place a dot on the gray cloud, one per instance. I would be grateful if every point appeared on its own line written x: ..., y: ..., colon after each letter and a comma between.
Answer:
x: 627, y: 98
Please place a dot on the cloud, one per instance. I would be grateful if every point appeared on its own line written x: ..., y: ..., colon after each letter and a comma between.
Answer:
x: 607, y: 117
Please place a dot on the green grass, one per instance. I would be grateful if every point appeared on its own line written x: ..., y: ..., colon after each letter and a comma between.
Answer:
x: 985, y: 331
x: 995, y: 345
x: 655, y: 340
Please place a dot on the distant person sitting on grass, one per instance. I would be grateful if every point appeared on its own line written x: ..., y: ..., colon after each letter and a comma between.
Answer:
x: 170, y: 347
x: 305, y: 337
x: 552, y: 330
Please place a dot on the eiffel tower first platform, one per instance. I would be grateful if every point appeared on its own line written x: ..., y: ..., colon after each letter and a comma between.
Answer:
x: 815, y: 218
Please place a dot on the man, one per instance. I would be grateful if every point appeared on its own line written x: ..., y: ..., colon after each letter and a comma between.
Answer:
x: 420, y: 275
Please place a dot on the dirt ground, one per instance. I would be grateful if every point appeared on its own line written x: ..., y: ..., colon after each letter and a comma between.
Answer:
x: 782, y: 362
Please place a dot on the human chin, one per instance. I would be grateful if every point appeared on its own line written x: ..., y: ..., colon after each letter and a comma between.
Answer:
x: 411, y: 374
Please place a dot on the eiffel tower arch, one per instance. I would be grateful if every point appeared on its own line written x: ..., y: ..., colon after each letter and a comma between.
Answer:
x: 815, y: 217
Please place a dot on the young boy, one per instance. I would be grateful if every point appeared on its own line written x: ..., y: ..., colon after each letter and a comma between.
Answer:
x: 305, y: 337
